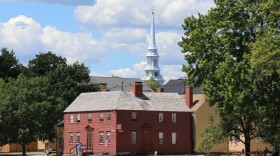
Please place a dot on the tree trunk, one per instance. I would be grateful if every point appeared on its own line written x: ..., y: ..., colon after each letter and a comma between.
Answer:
x: 23, y: 149
x: 247, y: 146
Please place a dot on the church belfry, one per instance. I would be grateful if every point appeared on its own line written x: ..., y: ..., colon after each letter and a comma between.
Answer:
x: 152, y: 70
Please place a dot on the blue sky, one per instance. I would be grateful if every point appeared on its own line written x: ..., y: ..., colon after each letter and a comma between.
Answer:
x: 109, y: 36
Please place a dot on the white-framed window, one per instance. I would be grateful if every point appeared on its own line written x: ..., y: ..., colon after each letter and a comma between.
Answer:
x: 160, y: 137
x: 78, y: 137
x: 174, y: 137
x: 174, y: 118
x: 133, y: 137
x: 108, y: 138
x: 78, y: 117
x: 108, y: 116
x: 101, y: 137
x: 160, y: 117
x: 133, y: 116
x: 71, y: 137
x: 71, y: 118
x: 89, y: 117
x: 101, y: 116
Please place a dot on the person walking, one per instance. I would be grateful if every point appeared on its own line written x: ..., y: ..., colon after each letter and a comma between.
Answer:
x: 80, y: 149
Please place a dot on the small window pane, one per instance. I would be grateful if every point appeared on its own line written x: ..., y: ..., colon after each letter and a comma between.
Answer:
x: 71, y: 118
x: 133, y: 137
x: 160, y: 137
x: 101, y: 116
x: 78, y: 118
x: 109, y: 116
x: 173, y: 117
x: 174, y: 137
x: 101, y: 137
x: 108, y: 138
x: 160, y: 119
x: 133, y: 116
x: 89, y: 117
x: 78, y: 137
x: 71, y: 135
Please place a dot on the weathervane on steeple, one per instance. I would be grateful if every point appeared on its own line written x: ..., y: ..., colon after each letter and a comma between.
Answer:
x: 152, y: 70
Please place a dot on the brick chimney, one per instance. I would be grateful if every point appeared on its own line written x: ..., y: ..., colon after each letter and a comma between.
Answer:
x: 137, y: 89
x: 160, y: 89
x: 189, y: 96
x: 103, y: 87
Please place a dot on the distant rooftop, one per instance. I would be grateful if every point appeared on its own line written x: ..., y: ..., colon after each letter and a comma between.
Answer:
x: 178, y: 86
x: 118, y: 83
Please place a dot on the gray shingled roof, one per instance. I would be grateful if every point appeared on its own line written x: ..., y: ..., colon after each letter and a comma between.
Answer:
x: 121, y: 100
x: 178, y: 86
x: 115, y: 83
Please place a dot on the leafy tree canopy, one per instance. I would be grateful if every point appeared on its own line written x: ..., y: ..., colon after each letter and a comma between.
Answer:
x: 153, y: 84
x: 218, y: 48
x: 9, y: 65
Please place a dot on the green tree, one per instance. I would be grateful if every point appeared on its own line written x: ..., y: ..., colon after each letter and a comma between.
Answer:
x: 265, y: 62
x: 25, y: 110
x: 44, y: 63
x: 217, y: 47
x: 153, y: 84
x: 9, y: 65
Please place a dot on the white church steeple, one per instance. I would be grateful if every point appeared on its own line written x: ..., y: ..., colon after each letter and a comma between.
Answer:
x: 152, y: 70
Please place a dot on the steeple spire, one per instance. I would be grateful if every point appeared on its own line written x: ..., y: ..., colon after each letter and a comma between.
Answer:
x: 152, y: 70
x: 153, y: 38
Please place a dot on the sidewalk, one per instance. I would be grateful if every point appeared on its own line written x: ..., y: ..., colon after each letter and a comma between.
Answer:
x: 27, y: 153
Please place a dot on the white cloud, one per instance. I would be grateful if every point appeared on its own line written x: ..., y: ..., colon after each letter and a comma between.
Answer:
x: 26, y: 37
x: 126, y: 13
x: 124, y: 72
x: 63, y: 2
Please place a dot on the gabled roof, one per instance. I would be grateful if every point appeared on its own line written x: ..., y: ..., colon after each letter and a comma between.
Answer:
x: 117, y: 83
x: 178, y: 86
x: 121, y: 100
x: 198, y: 101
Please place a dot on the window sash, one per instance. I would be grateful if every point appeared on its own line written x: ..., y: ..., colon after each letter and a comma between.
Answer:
x: 174, y: 118
x: 161, y: 137
x: 174, y: 137
x: 133, y: 137
x: 78, y: 137
x: 89, y: 117
x: 108, y: 137
x: 160, y: 117
x: 101, y: 137
x: 71, y: 137
x: 109, y: 116
x: 78, y: 117
x: 133, y: 116
x: 71, y: 118
x: 101, y: 116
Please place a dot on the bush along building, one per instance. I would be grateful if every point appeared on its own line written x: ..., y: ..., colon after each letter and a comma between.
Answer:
x: 136, y: 122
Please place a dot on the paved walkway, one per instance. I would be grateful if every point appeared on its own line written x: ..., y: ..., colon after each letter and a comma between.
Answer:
x: 27, y: 153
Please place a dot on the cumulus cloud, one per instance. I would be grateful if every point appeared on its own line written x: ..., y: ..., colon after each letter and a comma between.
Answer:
x: 125, y: 13
x: 62, y: 2
x: 26, y: 37
x: 124, y: 72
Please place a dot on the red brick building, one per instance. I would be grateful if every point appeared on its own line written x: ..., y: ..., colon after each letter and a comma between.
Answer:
x: 134, y: 122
